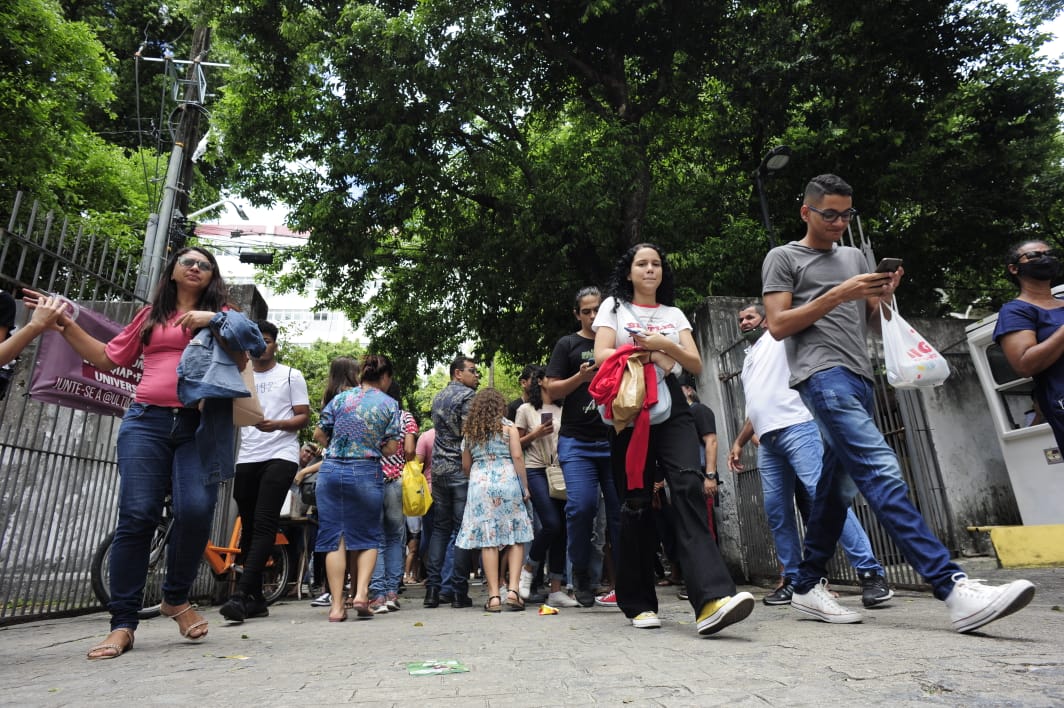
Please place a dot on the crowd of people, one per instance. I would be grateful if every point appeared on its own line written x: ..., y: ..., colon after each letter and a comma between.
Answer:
x: 572, y: 493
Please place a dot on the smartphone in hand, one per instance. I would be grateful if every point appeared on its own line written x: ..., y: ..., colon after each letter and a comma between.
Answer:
x: 547, y: 417
x: 635, y: 331
x: 888, y: 265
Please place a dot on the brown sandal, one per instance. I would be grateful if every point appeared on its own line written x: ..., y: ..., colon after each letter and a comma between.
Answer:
x: 114, y: 649
x: 516, y: 605
x: 187, y: 632
x: 488, y: 607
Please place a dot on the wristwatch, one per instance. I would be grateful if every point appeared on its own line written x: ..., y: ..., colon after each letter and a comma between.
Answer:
x: 711, y: 476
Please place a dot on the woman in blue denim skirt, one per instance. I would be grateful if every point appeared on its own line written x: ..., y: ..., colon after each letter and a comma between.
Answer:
x: 359, y: 427
x: 157, y: 451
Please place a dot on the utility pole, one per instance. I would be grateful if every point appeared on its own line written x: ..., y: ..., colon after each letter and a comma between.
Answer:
x: 191, y: 93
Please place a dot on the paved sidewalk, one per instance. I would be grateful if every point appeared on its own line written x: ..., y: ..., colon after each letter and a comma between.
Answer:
x: 902, y: 654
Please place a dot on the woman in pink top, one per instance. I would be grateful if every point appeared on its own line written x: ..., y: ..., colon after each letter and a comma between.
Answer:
x: 157, y: 451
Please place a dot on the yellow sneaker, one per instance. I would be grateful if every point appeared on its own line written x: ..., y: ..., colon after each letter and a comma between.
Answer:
x: 718, y: 614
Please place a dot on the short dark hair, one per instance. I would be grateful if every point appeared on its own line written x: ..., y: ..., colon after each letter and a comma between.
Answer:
x: 267, y: 329
x: 459, y: 363
x: 827, y: 184
x: 757, y: 306
x: 527, y: 372
x: 1012, y: 256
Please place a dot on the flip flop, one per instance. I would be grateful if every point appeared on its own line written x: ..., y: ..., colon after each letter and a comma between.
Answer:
x: 116, y: 649
x: 488, y: 607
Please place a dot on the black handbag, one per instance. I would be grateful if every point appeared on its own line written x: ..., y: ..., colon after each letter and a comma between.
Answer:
x: 308, y: 489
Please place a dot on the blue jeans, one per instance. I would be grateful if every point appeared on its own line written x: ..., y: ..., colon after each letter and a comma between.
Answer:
x: 550, y: 538
x: 157, y: 454
x: 389, y: 569
x: 786, y: 457
x: 587, y: 471
x: 448, y: 500
x: 856, y: 453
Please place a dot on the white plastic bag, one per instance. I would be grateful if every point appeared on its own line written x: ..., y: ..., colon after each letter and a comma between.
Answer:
x: 911, y: 361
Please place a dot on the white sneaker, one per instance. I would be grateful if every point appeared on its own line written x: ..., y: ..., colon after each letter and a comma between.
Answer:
x: 561, y: 598
x: 972, y: 604
x: 646, y: 620
x: 819, y: 603
x: 323, y: 600
x: 524, y: 585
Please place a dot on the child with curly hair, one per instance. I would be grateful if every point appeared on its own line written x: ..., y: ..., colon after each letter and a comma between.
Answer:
x: 495, y: 512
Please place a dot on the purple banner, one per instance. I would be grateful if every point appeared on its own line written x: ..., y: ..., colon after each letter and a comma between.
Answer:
x: 62, y: 377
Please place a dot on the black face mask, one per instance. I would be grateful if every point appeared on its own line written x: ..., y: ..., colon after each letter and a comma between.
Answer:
x: 1045, y: 268
x: 754, y: 334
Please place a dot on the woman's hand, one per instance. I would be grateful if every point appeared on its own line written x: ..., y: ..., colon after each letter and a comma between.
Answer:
x: 47, y: 313
x: 543, y: 429
x: 194, y: 320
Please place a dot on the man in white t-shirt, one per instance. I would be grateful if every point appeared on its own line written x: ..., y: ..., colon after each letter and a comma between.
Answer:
x: 790, y: 453
x: 265, y: 468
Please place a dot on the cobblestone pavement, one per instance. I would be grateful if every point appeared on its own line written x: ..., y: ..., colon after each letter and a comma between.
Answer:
x: 904, y: 653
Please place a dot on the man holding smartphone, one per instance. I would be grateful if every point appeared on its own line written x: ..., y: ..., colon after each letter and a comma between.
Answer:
x: 820, y: 299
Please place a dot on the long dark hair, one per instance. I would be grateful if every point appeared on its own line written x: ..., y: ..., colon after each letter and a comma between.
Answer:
x: 343, y: 374
x: 535, y: 388
x: 620, y: 287
x: 164, y: 303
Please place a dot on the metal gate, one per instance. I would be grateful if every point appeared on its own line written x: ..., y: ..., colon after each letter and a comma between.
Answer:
x: 900, y: 416
x: 58, y: 476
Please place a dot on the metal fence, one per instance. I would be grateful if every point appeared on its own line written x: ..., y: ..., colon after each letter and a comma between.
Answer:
x: 58, y: 476
x: 900, y: 416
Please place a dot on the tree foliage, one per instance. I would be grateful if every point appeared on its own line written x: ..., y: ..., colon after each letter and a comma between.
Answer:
x: 464, y: 167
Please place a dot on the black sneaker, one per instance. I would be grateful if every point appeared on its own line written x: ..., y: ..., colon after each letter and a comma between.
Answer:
x: 234, y: 608
x: 256, y: 607
x: 780, y: 596
x: 874, y: 588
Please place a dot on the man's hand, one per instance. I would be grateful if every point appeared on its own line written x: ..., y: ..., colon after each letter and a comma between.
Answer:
x: 270, y: 426
x: 734, y: 462
x: 709, y: 487
x: 866, y: 285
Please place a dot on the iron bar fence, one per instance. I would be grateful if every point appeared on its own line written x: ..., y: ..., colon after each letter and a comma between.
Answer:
x: 58, y: 473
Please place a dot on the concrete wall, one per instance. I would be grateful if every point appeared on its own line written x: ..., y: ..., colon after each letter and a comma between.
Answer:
x: 974, y: 476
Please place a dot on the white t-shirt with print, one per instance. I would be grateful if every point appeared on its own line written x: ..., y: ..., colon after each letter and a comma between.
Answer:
x: 279, y: 389
x: 662, y: 319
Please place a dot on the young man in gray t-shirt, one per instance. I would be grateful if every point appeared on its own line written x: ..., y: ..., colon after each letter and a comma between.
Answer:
x: 819, y: 299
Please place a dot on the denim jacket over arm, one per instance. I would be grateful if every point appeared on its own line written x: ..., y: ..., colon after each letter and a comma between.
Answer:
x: 207, y: 373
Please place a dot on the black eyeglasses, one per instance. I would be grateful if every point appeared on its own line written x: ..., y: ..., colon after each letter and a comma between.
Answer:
x: 832, y: 215
x: 472, y: 371
x: 1031, y: 255
x: 189, y: 261
x: 589, y: 311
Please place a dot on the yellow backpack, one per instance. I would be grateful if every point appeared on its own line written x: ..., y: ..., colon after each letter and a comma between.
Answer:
x: 416, y: 496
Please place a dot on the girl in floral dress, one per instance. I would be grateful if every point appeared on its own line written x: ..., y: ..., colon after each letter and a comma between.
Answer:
x: 495, y: 513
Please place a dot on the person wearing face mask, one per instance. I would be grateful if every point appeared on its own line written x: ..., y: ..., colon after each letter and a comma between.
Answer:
x: 1029, y: 328
x: 789, y: 454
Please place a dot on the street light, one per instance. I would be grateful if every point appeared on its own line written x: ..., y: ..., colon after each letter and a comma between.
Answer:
x: 776, y: 159
x: 204, y: 210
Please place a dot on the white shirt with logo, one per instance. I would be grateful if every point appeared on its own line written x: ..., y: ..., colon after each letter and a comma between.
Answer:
x: 280, y: 389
